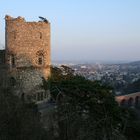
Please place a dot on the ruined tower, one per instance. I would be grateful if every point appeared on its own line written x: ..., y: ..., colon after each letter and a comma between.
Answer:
x: 27, y: 56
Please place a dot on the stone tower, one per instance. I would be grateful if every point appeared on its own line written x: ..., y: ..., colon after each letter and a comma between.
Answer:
x: 28, y: 56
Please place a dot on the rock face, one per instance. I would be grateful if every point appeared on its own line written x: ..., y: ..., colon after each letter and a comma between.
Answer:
x: 27, y: 56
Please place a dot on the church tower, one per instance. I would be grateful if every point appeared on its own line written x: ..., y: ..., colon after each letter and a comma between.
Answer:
x: 28, y: 56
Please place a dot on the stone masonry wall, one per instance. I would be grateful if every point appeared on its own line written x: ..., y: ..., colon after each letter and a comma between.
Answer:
x: 27, y: 53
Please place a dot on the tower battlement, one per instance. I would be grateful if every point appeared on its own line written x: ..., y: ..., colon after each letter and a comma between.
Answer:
x: 7, y: 17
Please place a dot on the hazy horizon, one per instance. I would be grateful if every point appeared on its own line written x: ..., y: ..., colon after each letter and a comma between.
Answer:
x: 84, y: 30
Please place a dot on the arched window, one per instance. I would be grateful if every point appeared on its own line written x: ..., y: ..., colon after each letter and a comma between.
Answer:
x: 12, y: 81
x: 40, y: 58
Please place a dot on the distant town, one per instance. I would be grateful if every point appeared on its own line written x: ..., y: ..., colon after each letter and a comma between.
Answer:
x: 122, y: 77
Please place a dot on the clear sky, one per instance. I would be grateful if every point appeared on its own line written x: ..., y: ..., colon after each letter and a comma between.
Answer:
x: 84, y: 29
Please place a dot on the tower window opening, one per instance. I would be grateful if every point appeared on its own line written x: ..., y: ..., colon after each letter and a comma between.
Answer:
x: 40, y: 34
x: 12, y: 60
x: 40, y: 57
x: 40, y: 60
x: 12, y: 81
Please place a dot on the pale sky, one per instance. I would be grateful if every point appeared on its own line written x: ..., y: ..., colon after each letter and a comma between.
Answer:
x: 84, y: 29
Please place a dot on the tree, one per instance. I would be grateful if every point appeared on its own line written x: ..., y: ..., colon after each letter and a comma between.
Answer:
x: 85, y: 109
x: 133, y: 87
x: 19, y: 120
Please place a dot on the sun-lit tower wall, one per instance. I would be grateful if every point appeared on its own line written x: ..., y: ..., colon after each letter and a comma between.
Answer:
x: 27, y: 54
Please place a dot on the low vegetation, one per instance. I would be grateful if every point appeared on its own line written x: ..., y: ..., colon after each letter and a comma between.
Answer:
x: 83, y: 110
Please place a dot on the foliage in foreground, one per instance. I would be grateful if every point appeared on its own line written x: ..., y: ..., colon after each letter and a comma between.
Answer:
x: 19, y: 120
x: 87, y: 110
